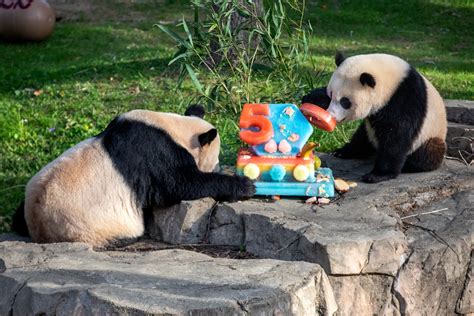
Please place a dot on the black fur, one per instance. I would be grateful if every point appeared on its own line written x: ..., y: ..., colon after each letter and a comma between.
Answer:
x: 162, y: 173
x: 427, y: 157
x: 358, y: 148
x: 19, y: 222
x: 396, y: 126
x: 195, y: 110
x: 207, y: 137
x: 367, y: 79
x: 318, y: 97
x: 339, y: 59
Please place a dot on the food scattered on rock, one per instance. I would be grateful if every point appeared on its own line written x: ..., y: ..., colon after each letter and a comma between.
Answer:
x: 352, y: 184
x: 341, y: 185
x: 324, y: 200
x: 311, y: 200
x: 319, y: 201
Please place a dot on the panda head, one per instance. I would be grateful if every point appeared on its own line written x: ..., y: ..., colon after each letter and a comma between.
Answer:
x: 190, y: 131
x: 363, y: 84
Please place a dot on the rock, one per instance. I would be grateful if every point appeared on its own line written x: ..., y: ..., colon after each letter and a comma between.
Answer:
x: 460, y: 141
x: 379, y: 254
x: 466, y: 302
x: 68, y: 279
x: 373, y: 259
x: 227, y: 227
x: 460, y: 111
x: 460, y: 138
x: 181, y: 223
x: 440, y: 251
x: 368, y: 294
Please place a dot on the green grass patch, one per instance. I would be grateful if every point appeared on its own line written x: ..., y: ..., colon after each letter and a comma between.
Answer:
x: 56, y: 93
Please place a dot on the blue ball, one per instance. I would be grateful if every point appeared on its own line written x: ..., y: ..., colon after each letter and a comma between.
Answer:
x: 277, y: 172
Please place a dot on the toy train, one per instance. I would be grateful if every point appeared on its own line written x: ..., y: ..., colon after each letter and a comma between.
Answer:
x: 279, y: 158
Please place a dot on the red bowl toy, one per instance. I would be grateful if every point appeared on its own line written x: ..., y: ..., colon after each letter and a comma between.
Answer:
x: 318, y: 116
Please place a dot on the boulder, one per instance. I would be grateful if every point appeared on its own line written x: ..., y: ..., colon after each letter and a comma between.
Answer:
x: 460, y: 138
x: 460, y: 111
x: 380, y: 255
x: 73, y: 279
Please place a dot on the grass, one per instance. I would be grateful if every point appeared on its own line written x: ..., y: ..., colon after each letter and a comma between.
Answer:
x: 56, y: 93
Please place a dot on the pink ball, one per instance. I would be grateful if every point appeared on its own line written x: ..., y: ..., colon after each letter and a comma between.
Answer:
x: 270, y: 147
x: 284, y: 146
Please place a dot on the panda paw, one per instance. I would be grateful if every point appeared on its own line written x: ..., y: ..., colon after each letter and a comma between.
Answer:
x: 247, y: 188
x: 374, y: 178
x: 243, y: 189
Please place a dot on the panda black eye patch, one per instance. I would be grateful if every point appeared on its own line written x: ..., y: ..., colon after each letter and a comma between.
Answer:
x: 345, y: 103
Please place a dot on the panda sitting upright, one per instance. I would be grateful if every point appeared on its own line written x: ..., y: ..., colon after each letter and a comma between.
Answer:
x: 100, y: 190
x: 404, y: 115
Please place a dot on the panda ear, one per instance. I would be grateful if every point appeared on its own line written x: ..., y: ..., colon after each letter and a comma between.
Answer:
x: 195, y: 110
x: 207, y: 137
x: 367, y: 79
x: 339, y: 58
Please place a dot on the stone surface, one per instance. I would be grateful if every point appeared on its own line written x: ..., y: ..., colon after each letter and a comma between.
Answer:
x: 362, y: 240
x: 433, y: 277
x: 460, y: 138
x: 365, y: 294
x: 67, y: 279
x: 466, y: 302
x: 371, y: 251
x: 460, y: 111
x: 460, y: 141
x: 182, y: 223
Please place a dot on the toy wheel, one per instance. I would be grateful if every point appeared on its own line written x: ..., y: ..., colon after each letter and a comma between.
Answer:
x: 301, y: 173
x: 318, y: 117
x: 251, y: 171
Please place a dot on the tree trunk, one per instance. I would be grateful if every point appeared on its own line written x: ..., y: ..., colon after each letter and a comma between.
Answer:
x: 243, y: 36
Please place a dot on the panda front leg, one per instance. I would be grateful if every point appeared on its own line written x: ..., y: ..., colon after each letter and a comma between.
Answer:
x: 358, y: 148
x: 196, y: 184
x: 391, y: 156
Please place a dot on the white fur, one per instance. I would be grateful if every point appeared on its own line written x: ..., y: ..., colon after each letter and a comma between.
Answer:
x: 388, y: 71
x: 80, y: 196
x: 185, y: 131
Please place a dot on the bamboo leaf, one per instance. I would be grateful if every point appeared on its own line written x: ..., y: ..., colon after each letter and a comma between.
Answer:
x: 186, y: 29
x: 180, y: 56
x: 173, y: 35
x: 194, y: 78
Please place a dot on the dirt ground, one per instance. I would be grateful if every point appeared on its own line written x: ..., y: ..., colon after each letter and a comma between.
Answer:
x: 224, y: 251
x: 108, y: 10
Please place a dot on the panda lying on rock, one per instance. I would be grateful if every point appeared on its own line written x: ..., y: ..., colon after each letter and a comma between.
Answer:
x: 404, y: 115
x: 99, y: 191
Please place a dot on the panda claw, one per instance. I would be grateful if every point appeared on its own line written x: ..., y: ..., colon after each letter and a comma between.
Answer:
x: 246, y: 188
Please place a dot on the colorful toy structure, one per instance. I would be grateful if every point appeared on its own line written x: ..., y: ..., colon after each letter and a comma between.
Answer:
x: 279, y: 158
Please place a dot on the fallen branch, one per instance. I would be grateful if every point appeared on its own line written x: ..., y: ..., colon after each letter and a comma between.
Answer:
x: 425, y: 213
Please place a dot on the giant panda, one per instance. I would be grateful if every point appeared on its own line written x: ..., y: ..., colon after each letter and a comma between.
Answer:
x: 404, y: 115
x: 100, y: 190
